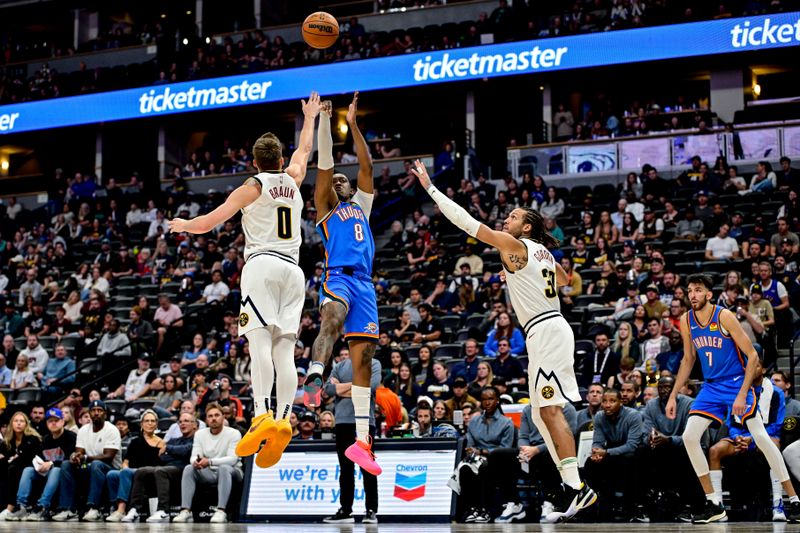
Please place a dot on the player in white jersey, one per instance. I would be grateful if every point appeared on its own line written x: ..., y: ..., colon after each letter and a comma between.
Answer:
x: 272, y: 283
x: 533, y: 277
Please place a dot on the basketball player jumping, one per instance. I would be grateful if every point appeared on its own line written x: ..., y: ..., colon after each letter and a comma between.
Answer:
x: 715, y: 334
x: 272, y: 283
x: 347, y: 293
x: 533, y: 277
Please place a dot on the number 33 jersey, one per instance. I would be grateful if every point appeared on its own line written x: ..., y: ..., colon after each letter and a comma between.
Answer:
x: 533, y: 288
x: 346, y: 235
x: 272, y: 222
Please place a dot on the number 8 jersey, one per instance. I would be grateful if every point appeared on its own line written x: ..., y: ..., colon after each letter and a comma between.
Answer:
x: 533, y: 289
x: 272, y: 222
x: 346, y: 235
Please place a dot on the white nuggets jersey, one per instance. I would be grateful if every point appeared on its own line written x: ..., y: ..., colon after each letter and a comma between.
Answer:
x: 533, y: 289
x: 272, y: 222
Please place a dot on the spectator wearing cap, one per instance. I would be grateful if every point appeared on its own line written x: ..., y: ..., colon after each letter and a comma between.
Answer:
x: 722, y: 246
x: 300, y: 359
x: 600, y: 365
x: 703, y: 210
x: 57, y: 447
x: 506, y: 366
x: 175, y: 370
x: 430, y: 329
x: 301, y: 379
x: 214, y: 462
x: 651, y: 227
x: 142, y: 451
x: 460, y: 395
x: 339, y: 387
x: 691, y: 227
x: 96, y: 453
x: 138, y: 382
x: 11, y: 322
x: 654, y: 306
x: 172, y: 460
x: 20, y: 445
x: 783, y: 234
x: 123, y: 264
x: 114, y: 342
x: 468, y: 368
x: 104, y: 258
x: 504, y: 329
x: 59, y: 369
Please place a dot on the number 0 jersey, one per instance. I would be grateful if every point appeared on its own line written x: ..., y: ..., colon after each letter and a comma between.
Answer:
x: 719, y: 356
x: 346, y: 235
x: 533, y: 288
x: 272, y: 222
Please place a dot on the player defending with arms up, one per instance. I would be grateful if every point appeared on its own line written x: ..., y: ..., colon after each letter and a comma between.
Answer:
x: 347, y: 293
x: 272, y: 283
x: 715, y: 334
x: 533, y: 277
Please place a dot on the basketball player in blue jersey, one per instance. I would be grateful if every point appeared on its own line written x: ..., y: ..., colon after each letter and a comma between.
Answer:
x: 347, y: 295
x: 730, y: 365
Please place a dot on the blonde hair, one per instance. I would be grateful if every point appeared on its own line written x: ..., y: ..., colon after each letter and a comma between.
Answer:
x: 29, y: 431
x: 489, y: 376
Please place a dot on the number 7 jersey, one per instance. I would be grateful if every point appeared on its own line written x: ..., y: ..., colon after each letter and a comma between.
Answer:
x: 346, y: 235
x: 272, y: 222
x: 533, y: 288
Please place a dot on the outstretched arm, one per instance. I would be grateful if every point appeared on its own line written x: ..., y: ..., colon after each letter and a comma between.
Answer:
x: 299, y: 161
x: 511, y: 247
x: 365, y: 176
x: 242, y: 197
x: 324, y: 197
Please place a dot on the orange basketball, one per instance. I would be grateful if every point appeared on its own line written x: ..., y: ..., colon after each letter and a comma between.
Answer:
x: 320, y: 30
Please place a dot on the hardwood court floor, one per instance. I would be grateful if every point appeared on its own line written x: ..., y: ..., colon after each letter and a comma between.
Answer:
x: 82, y: 527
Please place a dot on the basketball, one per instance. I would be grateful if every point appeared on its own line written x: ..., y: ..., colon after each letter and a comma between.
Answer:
x: 320, y: 30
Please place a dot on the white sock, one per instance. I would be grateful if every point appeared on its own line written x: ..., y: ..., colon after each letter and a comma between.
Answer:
x: 316, y: 368
x: 568, y: 468
x: 361, y: 397
x: 286, y: 386
x: 793, y: 499
x: 262, y: 369
x: 777, y: 489
x: 716, y: 482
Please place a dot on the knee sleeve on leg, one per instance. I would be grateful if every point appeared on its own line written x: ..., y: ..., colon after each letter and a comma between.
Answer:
x: 771, y: 452
x: 792, y: 457
x: 695, y: 428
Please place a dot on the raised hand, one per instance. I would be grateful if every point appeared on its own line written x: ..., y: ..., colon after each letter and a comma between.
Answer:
x: 312, y: 107
x: 327, y: 108
x: 352, y: 109
x: 419, y: 170
x: 177, y: 225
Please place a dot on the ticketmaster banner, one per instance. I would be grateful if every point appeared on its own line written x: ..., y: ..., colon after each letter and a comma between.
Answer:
x: 526, y: 57
x: 306, y: 484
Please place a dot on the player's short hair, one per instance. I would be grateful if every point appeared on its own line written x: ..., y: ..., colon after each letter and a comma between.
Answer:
x: 613, y: 391
x: 701, y: 279
x: 267, y: 152
x: 214, y: 405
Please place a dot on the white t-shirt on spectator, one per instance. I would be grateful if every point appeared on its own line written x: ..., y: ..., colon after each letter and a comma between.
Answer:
x: 215, y: 292
x: 107, y: 438
x: 37, y: 358
x: 722, y: 248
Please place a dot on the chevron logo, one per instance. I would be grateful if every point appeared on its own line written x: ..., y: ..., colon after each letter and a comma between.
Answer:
x: 410, y: 487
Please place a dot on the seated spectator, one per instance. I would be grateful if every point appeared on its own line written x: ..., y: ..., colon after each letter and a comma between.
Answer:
x: 406, y: 329
x: 468, y: 369
x: 553, y: 206
x: 781, y: 381
x: 504, y: 329
x: 429, y: 329
x: 172, y: 460
x: 140, y: 332
x: 5, y: 372
x: 783, y: 235
x: 198, y: 348
x: 439, y: 386
x: 690, y: 228
x: 460, y: 395
x: 472, y: 261
x: 176, y: 371
x: 600, y: 365
x: 57, y: 446
x: 617, y: 436
x: 35, y: 354
x: 486, y: 433
x: 142, y: 451
x: 764, y: 180
x: 424, y: 419
x: 214, y: 463
x: 722, y: 246
x: 59, y: 373
x: 483, y: 378
x: 21, y: 443
x: 22, y: 376
x: 174, y: 431
x: 169, y: 399
x: 168, y: 315
x: 217, y: 290
x: 629, y: 394
x: 651, y: 227
x: 138, y: 383
x: 96, y: 453
x: 422, y: 369
x: 506, y: 366
x: 654, y: 307
x: 8, y: 350
x: 574, y: 285
x: 655, y: 345
x: 594, y: 398
x: 113, y: 342
x: 30, y: 287
x: 38, y: 323
x: 406, y: 387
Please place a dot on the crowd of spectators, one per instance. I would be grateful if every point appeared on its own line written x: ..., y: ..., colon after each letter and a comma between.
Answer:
x: 256, y: 51
x: 101, y: 303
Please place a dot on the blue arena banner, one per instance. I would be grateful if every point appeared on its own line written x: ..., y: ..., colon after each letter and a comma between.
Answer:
x: 526, y: 57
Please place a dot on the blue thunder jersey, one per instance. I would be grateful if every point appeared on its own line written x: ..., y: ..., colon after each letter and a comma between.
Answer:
x: 719, y: 356
x: 346, y: 235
